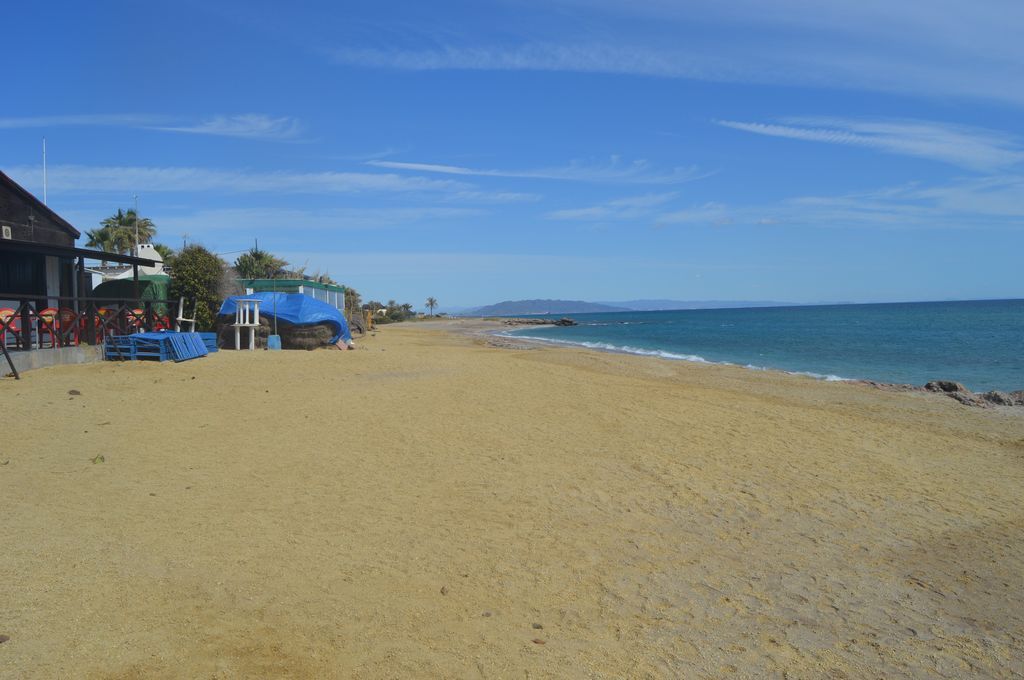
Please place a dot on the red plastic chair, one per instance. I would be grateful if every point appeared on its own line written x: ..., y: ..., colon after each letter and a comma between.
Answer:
x: 47, y: 326
x: 137, y: 321
x: 70, y: 328
x: 7, y: 315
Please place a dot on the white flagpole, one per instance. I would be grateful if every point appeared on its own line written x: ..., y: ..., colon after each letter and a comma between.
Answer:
x: 44, y: 170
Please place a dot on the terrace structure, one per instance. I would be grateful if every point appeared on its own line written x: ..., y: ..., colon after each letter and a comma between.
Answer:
x: 45, y: 288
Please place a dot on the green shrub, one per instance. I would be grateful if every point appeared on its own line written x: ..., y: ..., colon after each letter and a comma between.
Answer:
x: 198, y: 275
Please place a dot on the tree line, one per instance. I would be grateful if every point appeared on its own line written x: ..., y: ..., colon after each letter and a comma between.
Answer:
x: 201, y: 275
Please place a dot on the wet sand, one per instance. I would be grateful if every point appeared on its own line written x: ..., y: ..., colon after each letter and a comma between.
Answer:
x: 433, y: 506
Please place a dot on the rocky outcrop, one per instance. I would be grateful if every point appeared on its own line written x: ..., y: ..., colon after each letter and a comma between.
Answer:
x: 947, y: 386
x: 955, y: 390
x: 564, y: 321
x: 1004, y: 398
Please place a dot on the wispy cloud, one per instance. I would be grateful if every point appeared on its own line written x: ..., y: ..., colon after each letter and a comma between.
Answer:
x: 583, y: 58
x: 112, y: 119
x: 936, y: 48
x: 128, y: 179
x: 967, y: 147
x: 966, y: 203
x: 292, y: 224
x: 86, y: 178
x: 630, y: 208
x: 249, y: 126
x: 615, y: 170
x: 709, y: 214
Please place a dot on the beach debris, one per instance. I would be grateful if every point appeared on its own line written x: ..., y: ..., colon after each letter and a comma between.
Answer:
x: 98, y: 458
x: 5, y: 462
x: 487, y: 614
x: 444, y: 590
x: 74, y: 393
x: 4, y: 638
x: 537, y: 626
x: 538, y: 641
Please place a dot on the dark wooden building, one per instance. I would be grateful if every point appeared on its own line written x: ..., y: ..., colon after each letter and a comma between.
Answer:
x: 25, y: 219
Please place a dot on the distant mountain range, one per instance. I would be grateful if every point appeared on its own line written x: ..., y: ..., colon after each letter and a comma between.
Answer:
x: 524, y: 307
x: 659, y: 305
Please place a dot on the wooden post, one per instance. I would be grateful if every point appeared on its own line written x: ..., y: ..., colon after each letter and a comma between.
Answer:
x: 10, y: 362
x: 26, y: 325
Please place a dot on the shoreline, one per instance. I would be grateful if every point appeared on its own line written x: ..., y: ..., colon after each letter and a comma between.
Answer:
x: 1009, y: 401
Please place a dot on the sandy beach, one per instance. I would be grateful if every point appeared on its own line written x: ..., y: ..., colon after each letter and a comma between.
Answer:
x: 432, y: 505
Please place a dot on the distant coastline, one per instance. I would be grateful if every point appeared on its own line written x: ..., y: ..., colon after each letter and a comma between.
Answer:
x: 545, y: 307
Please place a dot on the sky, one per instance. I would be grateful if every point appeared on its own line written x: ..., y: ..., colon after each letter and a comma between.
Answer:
x: 797, y: 150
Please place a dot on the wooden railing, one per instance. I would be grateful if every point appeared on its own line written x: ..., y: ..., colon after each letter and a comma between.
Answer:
x: 37, y: 323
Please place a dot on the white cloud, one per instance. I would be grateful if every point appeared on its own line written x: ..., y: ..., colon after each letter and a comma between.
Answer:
x: 985, y: 203
x: 283, y: 222
x: 935, y: 48
x: 633, y: 207
x: 115, y: 119
x: 251, y: 126
x: 126, y: 179
x: 711, y: 214
x: 615, y: 170
x: 967, y: 147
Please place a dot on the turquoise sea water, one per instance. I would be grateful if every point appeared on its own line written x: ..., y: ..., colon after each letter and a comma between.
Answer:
x: 978, y: 343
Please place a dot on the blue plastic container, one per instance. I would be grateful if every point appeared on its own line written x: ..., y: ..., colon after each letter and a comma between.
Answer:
x: 273, y: 342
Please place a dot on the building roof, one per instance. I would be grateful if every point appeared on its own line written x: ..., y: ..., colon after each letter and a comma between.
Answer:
x: 71, y: 251
x: 39, y: 205
x: 281, y: 284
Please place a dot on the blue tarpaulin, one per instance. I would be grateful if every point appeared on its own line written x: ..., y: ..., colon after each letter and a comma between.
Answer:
x: 294, y: 308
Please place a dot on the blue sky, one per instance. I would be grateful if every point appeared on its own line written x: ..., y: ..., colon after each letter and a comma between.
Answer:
x: 599, y: 149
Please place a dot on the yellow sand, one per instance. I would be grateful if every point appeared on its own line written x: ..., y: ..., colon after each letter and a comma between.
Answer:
x: 414, y: 508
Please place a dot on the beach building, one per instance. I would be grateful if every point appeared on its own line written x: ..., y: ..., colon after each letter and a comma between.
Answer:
x: 324, y: 292
x: 45, y: 281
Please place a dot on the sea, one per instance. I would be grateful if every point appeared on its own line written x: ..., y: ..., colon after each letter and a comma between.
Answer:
x: 977, y: 343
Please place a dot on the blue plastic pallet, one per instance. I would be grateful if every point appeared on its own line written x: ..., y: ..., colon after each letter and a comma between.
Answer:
x: 161, y: 346
x: 210, y: 340
x: 119, y: 348
x: 185, y: 346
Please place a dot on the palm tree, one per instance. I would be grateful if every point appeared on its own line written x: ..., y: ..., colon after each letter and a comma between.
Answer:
x: 431, y: 303
x: 166, y: 252
x: 101, y: 239
x: 124, y: 225
x: 259, y: 264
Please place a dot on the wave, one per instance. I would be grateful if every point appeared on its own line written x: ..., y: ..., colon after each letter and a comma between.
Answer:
x: 662, y: 354
x: 620, y: 349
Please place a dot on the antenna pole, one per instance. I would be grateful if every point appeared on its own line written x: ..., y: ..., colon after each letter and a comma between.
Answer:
x: 44, y: 170
x: 136, y: 197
